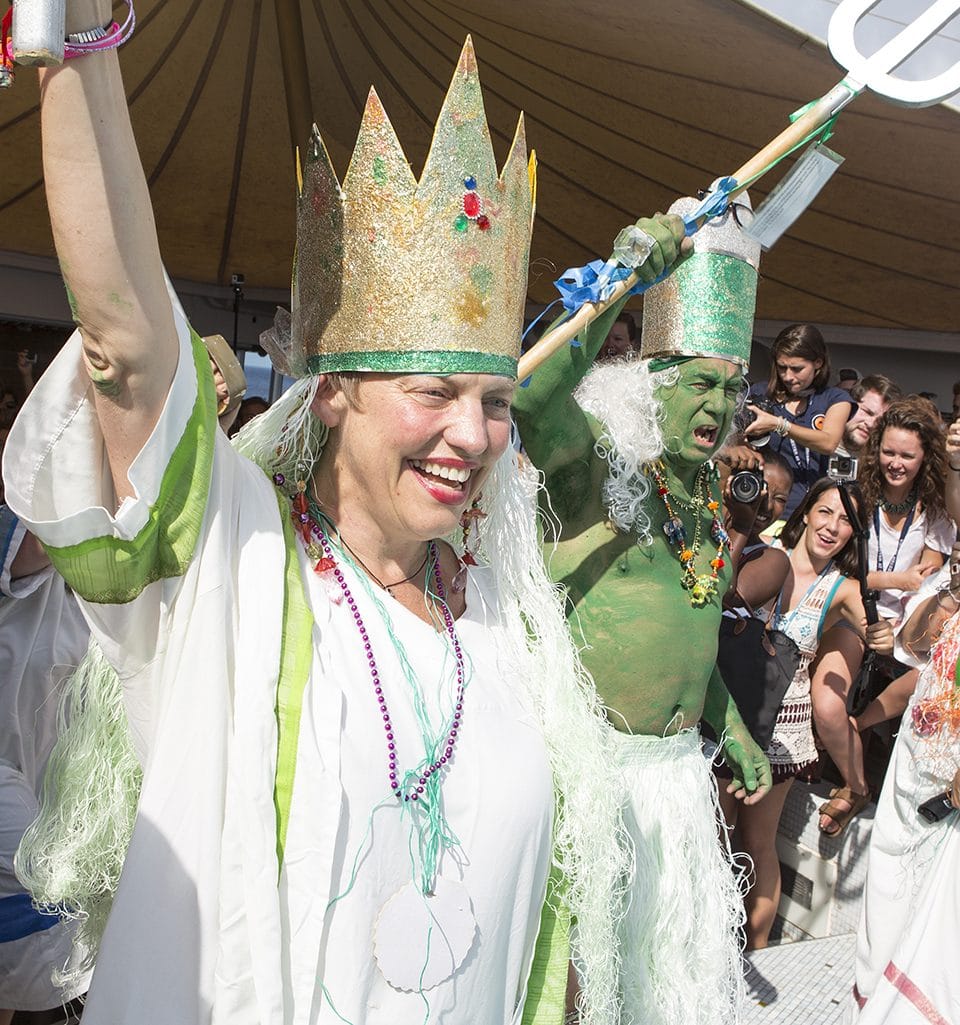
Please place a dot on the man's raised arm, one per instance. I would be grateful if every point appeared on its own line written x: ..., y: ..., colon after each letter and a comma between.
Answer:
x: 106, y: 241
x: 554, y: 430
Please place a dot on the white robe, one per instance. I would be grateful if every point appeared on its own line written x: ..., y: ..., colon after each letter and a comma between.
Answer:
x: 907, y: 945
x: 200, y: 931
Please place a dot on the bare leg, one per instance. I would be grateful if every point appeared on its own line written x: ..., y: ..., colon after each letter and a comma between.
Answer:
x: 5, y: 1017
x: 890, y: 702
x: 831, y: 676
x: 758, y: 833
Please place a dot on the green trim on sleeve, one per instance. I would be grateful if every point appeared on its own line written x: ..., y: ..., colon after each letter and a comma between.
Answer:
x: 296, y: 656
x: 547, y: 986
x: 110, y: 570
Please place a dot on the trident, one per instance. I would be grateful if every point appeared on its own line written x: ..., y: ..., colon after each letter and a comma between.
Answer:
x: 873, y: 72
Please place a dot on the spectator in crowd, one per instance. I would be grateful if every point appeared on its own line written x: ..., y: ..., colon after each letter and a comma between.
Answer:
x: 228, y: 379
x: 252, y: 405
x: 803, y: 417
x: 873, y: 395
x: 9, y: 400
x: 817, y: 591
x: 621, y: 338
x: 903, y: 479
x: 847, y: 378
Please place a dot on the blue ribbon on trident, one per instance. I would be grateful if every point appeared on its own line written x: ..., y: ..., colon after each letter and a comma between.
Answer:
x: 596, y: 281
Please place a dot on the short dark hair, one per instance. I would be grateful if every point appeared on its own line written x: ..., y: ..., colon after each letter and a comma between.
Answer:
x: 805, y: 342
x: 846, y: 559
x: 888, y: 390
x: 627, y: 318
x: 771, y: 457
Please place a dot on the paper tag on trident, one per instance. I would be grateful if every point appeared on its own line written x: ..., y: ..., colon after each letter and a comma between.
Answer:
x: 793, y: 195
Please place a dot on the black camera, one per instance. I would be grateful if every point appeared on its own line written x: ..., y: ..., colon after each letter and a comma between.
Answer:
x: 746, y: 486
x: 937, y: 808
x: 744, y: 417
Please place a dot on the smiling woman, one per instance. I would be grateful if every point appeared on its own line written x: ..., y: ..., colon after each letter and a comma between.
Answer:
x: 338, y: 651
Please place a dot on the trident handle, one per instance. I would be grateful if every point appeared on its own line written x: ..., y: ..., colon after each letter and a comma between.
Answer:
x: 38, y: 31
x: 872, y: 72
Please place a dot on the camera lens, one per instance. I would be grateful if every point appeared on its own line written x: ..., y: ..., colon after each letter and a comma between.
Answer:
x: 746, y: 486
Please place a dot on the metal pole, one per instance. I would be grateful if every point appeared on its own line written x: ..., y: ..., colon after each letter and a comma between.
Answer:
x: 296, y: 79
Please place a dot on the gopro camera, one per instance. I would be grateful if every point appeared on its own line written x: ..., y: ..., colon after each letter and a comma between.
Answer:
x: 842, y: 468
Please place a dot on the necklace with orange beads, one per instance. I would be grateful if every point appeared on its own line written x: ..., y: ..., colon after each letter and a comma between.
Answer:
x: 702, y: 586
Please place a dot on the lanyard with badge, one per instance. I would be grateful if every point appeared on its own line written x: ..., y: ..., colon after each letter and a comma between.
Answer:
x: 904, y: 530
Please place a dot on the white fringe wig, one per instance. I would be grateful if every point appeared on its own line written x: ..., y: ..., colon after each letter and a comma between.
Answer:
x: 620, y: 394
x: 71, y: 857
x: 591, y: 847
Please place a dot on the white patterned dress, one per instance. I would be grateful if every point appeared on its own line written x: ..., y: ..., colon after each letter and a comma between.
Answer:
x: 792, y: 748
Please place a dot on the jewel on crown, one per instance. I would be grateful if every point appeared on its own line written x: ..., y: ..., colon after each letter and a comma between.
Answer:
x: 394, y: 274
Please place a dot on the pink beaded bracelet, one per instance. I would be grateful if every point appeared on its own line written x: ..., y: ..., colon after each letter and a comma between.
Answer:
x: 114, y: 35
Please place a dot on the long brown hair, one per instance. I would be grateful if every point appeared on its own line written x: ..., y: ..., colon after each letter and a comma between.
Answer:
x: 803, y: 341
x: 920, y: 416
x: 846, y: 559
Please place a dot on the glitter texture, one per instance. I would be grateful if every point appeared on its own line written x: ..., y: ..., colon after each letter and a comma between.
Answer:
x: 389, y: 273
x: 706, y: 308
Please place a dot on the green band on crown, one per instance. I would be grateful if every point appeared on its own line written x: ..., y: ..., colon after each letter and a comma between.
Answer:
x: 422, y: 362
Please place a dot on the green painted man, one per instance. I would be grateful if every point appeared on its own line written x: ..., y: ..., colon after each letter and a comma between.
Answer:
x: 625, y: 449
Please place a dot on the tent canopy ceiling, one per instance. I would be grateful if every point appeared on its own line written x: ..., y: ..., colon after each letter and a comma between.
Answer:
x: 627, y: 104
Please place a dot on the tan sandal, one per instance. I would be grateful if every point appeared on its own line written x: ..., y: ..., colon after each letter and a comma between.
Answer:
x: 841, y: 817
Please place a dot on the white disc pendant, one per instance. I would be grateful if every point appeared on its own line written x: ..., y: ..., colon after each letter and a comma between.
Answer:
x: 420, y: 941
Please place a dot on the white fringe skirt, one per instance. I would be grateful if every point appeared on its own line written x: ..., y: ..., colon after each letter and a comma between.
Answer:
x: 681, y: 932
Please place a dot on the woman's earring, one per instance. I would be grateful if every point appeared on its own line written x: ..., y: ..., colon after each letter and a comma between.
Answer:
x: 470, y: 517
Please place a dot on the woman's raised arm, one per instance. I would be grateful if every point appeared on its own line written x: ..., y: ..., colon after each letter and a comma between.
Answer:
x: 106, y: 241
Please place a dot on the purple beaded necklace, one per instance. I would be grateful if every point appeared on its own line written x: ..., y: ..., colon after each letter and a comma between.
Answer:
x: 405, y: 787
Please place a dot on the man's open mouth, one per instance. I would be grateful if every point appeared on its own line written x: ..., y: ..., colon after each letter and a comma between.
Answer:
x: 706, y: 435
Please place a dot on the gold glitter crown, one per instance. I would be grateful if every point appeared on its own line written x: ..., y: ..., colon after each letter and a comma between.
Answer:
x: 706, y: 307
x: 395, y: 275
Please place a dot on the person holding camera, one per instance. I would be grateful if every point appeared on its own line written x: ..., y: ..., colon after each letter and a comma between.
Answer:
x: 903, y: 480
x: 818, y: 590
x: 799, y: 415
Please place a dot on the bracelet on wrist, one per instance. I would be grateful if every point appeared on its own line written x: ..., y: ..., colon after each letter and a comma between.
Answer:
x: 956, y: 469
x: 101, y: 37
x: 783, y: 427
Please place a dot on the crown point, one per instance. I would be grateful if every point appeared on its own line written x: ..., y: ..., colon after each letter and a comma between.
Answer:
x: 373, y: 112
x: 468, y: 58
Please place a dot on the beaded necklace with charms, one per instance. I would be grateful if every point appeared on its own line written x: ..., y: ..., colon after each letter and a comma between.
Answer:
x: 702, y: 586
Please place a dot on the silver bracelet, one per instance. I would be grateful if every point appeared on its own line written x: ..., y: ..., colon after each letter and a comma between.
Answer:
x: 91, y: 35
x: 783, y: 427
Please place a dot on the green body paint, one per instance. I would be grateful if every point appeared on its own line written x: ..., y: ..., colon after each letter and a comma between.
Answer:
x: 115, y: 299
x: 105, y: 385
x: 650, y: 652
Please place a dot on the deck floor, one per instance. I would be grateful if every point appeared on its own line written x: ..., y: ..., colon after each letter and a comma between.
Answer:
x: 803, y: 983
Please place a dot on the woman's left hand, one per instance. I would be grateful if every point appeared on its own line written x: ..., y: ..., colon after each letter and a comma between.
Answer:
x: 764, y: 424
x: 880, y: 637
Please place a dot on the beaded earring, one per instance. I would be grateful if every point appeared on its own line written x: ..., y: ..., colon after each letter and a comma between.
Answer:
x: 470, y: 516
